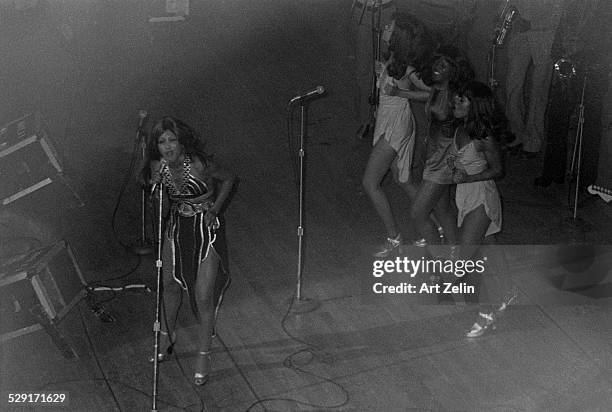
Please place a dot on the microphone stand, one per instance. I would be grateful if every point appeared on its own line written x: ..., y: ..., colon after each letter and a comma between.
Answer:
x: 158, y: 298
x: 299, y: 303
x: 144, y: 247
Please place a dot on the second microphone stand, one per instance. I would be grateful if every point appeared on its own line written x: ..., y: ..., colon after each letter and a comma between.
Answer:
x: 301, y: 304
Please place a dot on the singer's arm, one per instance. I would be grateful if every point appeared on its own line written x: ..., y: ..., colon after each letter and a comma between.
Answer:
x: 217, y: 172
x: 227, y: 180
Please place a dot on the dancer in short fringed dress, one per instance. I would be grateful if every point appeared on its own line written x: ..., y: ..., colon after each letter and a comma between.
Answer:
x: 475, y: 164
x: 394, y: 133
x: 470, y: 196
x: 448, y: 69
x: 395, y: 124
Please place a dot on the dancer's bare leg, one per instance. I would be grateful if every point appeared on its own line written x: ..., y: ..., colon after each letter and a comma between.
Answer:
x: 378, y: 165
x: 429, y: 196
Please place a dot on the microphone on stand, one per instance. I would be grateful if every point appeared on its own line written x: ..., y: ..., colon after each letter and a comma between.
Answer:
x: 313, y: 93
x: 163, y: 164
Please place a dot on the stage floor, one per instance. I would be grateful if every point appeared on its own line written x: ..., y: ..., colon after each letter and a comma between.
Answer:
x: 351, y: 351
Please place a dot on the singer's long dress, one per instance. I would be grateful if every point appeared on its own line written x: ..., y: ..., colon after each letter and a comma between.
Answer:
x: 395, y: 123
x: 191, y: 241
x: 470, y: 196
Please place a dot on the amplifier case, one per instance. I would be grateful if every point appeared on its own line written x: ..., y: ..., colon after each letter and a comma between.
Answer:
x: 50, y: 283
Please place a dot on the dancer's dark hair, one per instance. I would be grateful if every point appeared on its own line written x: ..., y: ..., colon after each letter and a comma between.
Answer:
x: 484, y: 118
x: 461, y: 71
x: 414, y: 52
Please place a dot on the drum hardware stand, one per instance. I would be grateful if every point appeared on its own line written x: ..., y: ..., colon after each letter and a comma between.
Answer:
x: 143, y: 246
x: 376, y: 8
x: 300, y: 304
x: 576, y: 222
x: 158, y: 297
x: 493, y: 83
x: 376, y: 37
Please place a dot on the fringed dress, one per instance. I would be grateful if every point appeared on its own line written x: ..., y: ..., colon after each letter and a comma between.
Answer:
x: 395, y: 123
x: 439, y: 139
x: 469, y: 196
x: 191, y: 240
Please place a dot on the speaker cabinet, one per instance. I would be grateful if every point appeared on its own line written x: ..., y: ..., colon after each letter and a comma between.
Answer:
x: 29, y: 161
x: 38, y: 290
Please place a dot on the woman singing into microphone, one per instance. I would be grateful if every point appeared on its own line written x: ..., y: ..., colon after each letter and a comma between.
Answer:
x: 194, y: 252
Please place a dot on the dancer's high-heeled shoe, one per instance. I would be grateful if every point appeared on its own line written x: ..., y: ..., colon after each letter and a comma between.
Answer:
x: 485, y: 322
x: 202, y: 368
x: 165, y: 355
x: 423, y: 242
x: 390, y: 245
x: 508, y: 300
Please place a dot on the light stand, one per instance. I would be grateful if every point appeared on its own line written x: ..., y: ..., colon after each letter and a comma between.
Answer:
x: 144, y: 247
x: 301, y: 304
x: 157, y: 322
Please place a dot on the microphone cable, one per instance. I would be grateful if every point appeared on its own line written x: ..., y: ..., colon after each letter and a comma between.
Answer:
x: 122, y: 189
x: 316, y: 353
x: 105, y: 379
x: 98, y: 285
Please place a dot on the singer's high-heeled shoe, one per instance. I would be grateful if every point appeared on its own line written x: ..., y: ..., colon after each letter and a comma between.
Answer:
x: 165, y: 355
x: 202, y: 368
x: 485, y: 322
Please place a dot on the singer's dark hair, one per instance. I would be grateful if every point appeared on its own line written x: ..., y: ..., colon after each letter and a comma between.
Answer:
x: 187, y: 137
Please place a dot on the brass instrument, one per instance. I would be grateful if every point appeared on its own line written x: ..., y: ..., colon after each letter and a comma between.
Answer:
x: 507, y: 15
x: 564, y: 69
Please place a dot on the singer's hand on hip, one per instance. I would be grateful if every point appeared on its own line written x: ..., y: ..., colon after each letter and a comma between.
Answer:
x: 210, y: 218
